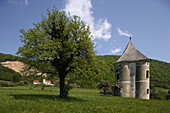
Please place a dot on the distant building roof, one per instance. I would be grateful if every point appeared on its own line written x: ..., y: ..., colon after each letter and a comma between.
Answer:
x: 47, y: 81
x: 36, y: 81
x: 131, y: 54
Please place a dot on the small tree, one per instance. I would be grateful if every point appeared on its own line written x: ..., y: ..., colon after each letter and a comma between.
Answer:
x: 63, y: 40
x: 106, y: 85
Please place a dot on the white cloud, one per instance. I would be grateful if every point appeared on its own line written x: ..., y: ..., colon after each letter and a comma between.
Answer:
x: 115, y: 50
x: 16, y: 2
x: 26, y: 2
x: 125, y: 33
x: 100, y: 29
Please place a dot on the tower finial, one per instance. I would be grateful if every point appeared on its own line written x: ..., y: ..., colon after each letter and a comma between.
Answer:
x: 130, y: 38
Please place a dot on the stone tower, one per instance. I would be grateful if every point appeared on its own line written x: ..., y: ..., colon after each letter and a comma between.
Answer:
x: 132, y: 78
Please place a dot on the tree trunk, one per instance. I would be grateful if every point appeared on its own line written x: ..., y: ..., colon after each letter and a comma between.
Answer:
x: 104, y: 90
x: 63, y: 89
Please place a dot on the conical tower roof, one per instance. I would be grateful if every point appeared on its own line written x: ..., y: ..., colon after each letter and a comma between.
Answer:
x: 131, y: 54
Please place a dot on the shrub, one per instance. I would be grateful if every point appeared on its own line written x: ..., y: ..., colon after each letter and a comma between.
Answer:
x: 106, y: 85
x: 3, y: 84
x: 71, y: 86
x: 166, y: 86
x: 10, y: 84
x: 6, y: 84
x: 158, y: 95
x: 19, y: 84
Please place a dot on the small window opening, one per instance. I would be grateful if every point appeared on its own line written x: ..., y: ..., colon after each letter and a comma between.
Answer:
x: 118, y: 76
x: 147, y: 63
x: 147, y: 74
x: 147, y: 91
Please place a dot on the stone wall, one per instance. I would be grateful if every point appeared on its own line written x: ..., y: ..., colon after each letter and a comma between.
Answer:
x: 132, y: 80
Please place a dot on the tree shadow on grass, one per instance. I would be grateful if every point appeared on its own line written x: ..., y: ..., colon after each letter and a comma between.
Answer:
x: 36, y: 97
x: 105, y: 95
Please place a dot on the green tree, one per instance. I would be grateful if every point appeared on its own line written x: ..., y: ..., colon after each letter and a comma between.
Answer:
x: 88, y: 76
x: 63, y: 40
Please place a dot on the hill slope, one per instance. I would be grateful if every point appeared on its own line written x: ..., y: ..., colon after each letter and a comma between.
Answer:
x: 8, y: 57
x: 17, y: 66
x: 160, y: 71
x: 8, y: 74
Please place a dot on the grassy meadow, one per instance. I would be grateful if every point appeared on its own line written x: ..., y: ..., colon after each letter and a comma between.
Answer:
x: 23, y: 99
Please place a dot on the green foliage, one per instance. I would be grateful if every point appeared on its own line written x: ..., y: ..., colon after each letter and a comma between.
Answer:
x: 64, y: 41
x: 106, y: 86
x: 19, y: 84
x: 8, y: 74
x: 8, y: 57
x: 109, y: 60
x: 160, y: 71
x: 89, y: 74
x: 23, y: 100
x: 160, y: 74
x: 6, y: 84
x: 158, y: 95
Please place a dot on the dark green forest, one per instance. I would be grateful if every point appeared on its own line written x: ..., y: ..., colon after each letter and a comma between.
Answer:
x: 160, y: 71
x: 9, y: 75
x: 8, y: 57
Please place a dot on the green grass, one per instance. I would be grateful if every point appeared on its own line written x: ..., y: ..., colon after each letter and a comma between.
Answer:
x: 26, y: 100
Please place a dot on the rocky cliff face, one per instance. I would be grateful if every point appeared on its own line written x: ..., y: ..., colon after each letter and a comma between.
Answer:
x: 20, y: 67
x: 14, y: 65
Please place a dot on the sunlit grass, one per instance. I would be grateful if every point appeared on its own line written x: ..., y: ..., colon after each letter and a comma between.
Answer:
x: 24, y: 99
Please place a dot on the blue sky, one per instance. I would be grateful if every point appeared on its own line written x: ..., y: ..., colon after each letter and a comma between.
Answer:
x: 112, y: 22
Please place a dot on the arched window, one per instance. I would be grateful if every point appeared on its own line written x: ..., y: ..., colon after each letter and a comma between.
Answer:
x: 147, y: 91
x: 118, y: 76
x: 147, y: 73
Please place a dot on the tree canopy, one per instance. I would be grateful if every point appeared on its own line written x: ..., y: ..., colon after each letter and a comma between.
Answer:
x: 60, y: 38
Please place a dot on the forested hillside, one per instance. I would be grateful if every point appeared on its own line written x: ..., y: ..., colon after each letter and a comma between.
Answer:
x: 160, y: 74
x: 109, y: 60
x: 7, y: 74
x: 160, y: 71
x: 8, y: 57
